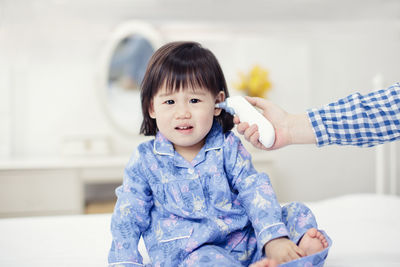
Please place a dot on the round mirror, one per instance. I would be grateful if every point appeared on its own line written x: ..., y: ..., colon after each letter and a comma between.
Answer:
x: 127, y: 55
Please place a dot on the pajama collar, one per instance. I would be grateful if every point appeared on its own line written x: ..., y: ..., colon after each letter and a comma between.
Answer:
x: 214, y: 140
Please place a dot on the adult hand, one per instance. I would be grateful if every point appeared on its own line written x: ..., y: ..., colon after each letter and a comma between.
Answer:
x: 289, y: 128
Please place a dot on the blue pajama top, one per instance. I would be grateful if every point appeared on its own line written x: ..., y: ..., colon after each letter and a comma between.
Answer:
x: 218, y: 199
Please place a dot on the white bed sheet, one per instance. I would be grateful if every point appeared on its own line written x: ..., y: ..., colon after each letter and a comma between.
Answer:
x: 365, y: 230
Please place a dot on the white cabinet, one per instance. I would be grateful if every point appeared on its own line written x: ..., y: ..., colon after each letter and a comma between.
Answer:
x: 40, y: 192
x: 53, y: 187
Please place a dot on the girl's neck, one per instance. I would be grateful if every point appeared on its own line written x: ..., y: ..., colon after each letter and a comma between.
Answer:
x: 190, y: 152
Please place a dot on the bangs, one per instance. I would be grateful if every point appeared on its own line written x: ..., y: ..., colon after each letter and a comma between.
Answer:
x: 177, y: 80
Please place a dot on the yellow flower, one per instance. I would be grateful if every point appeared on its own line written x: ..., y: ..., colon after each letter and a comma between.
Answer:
x: 255, y: 83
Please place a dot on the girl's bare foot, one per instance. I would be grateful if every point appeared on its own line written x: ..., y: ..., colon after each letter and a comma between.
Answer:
x: 312, y: 242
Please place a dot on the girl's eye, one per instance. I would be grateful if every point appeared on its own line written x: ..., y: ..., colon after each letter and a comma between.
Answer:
x: 194, y: 100
x: 169, y: 102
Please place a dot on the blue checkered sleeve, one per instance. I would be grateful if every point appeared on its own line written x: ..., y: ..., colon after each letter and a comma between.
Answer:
x: 360, y: 120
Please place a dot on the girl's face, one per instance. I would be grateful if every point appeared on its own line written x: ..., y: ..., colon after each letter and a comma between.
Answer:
x: 185, y: 117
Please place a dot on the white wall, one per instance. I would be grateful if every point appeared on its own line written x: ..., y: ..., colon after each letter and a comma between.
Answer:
x: 49, y: 84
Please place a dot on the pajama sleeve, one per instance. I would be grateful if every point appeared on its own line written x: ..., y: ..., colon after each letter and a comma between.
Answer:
x: 359, y: 120
x: 131, y: 216
x: 255, y: 192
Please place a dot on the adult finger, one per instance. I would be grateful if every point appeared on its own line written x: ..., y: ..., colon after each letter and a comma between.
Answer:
x: 236, y: 120
x: 242, y: 127
x: 249, y: 132
x: 253, y: 139
x: 257, y: 102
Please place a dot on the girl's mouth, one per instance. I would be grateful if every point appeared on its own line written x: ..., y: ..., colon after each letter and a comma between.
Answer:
x: 184, y: 129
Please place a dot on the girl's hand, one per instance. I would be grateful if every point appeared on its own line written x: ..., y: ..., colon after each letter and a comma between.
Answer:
x: 265, y: 263
x: 282, y: 250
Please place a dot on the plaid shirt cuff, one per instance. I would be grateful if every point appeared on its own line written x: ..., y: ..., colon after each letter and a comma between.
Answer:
x: 320, y: 132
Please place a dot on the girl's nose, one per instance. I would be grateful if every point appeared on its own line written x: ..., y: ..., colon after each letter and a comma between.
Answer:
x: 183, y: 112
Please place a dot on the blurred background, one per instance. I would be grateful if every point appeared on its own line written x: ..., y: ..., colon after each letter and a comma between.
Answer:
x: 69, y: 99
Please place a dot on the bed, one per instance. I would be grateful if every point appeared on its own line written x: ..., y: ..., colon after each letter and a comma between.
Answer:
x: 365, y: 230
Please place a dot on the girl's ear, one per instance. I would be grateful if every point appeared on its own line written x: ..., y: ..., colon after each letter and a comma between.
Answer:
x: 218, y: 99
x: 152, y: 114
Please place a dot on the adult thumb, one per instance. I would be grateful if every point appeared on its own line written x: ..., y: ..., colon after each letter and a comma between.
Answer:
x: 258, y: 102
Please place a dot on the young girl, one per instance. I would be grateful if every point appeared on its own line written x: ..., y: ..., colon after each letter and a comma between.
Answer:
x: 192, y: 191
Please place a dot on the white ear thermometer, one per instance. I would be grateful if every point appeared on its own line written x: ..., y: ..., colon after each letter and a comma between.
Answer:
x: 239, y: 106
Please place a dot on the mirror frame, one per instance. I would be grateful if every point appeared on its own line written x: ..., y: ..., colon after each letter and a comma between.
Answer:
x: 121, y: 32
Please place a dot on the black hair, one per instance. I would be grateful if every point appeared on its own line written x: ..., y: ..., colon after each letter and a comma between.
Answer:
x: 178, y: 65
